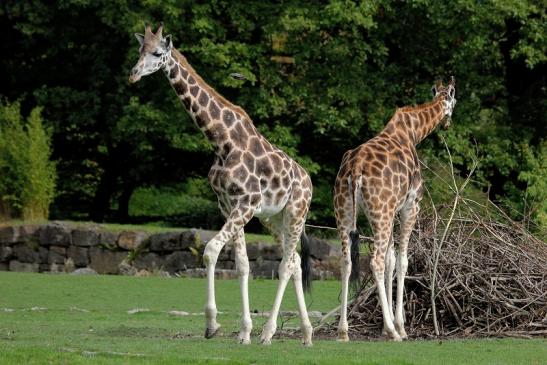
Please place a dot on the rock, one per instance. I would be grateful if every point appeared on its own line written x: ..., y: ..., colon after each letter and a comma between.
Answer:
x: 43, y: 267
x: 264, y: 268
x: 85, y: 237
x: 229, y: 265
x: 219, y: 274
x: 69, y: 265
x: 190, y: 238
x: 56, y: 255
x: 6, y: 252
x: 84, y: 271
x: 319, y: 249
x: 4, y: 267
x: 24, y: 252
x: 107, y: 238
x: 28, y: 232
x: 9, y: 234
x: 44, y: 253
x: 142, y: 274
x: 169, y: 241
x: 178, y: 261
x: 15, y: 265
x: 149, y: 261
x: 126, y: 269
x: 105, y: 261
x: 79, y: 255
x: 56, y: 268
x: 57, y: 234
x: 270, y: 251
x: 263, y: 250
x: 226, y: 274
x: 203, y: 236
x: 131, y: 240
x: 323, y: 274
x: 195, y: 273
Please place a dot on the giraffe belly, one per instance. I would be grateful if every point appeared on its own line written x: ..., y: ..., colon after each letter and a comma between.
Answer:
x: 268, y: 209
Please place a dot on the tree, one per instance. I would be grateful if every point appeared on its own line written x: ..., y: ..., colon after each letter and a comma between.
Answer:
x: 322, y: 78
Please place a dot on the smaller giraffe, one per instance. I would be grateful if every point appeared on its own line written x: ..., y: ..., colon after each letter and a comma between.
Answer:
x: 250, y: 176
x: 381, y: 178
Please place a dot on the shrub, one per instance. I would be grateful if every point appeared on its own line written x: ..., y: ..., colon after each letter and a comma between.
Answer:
x: 27, y: 175
x: 175, y: 205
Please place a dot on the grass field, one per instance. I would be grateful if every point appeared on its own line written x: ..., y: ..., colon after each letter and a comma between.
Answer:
x: 64, y: 319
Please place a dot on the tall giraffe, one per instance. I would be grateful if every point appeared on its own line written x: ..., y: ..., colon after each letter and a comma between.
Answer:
x: 250, y: 177
x: 382, y: 177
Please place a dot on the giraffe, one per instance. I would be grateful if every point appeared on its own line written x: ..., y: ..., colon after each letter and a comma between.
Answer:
x: 250, y: 177
x: 382, y: 178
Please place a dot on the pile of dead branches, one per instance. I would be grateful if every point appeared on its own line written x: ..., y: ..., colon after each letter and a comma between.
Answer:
x: 473, y: 272
x: 485, y: 278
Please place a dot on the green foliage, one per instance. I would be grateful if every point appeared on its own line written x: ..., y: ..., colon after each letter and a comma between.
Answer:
x: 177, y: 206
x: 323, y: 77
x: 27, y: 183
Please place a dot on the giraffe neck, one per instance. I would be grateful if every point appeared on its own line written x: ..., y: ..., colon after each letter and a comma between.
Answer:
x: 215, y: 116
x: 416, y: 123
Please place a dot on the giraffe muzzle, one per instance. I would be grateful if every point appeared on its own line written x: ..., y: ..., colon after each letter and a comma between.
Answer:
x: 134, y: 76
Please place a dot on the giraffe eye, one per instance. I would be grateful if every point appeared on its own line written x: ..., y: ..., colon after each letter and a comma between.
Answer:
x: 156, y: 54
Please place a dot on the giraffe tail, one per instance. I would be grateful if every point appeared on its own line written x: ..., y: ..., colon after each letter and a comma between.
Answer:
x: 354, y: 255
x: 305, y: 262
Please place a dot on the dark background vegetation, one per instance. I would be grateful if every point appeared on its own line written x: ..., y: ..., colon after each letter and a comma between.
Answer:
x: 323, y: 77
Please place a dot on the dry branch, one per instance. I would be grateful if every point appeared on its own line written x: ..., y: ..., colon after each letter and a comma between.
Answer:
x: 489, y: 278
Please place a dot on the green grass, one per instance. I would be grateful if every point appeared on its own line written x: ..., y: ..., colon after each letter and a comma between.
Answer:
x: 86, y: 321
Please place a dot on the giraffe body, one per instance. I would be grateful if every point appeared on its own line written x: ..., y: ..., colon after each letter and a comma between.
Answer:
x: 382, y: 178
x: 250, y: 177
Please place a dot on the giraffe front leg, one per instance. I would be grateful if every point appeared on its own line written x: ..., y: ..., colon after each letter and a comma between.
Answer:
x: 242, y: 266
x: 209, y: 258
x: 234, y: 223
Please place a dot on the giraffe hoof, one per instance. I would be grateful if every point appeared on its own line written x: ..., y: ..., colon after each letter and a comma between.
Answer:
x: 265, y: 342
x: 212, y: 332
x: 307, y: 343
x: 343, y: 337
x: 396, y: 338
x: 401, y: 331
x: 244, y: 339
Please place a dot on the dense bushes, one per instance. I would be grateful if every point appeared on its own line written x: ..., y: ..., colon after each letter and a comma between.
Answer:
x: 189, y: 205
x: 322, y: 77
x: 27, y: 176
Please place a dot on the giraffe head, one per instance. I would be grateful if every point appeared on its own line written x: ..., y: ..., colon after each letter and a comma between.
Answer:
x: 154, y: 53
x: 447, y: 94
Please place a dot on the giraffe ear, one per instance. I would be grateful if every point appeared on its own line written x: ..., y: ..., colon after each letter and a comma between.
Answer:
x: 168, y: 42
x: 140, y: 38
x: 434, y: 90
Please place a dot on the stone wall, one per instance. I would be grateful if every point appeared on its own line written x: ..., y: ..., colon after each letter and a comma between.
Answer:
x: 68, y: 247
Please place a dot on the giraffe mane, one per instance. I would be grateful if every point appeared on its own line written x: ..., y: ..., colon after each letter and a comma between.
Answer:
x: 206, y: 86
x: 409, y: 108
